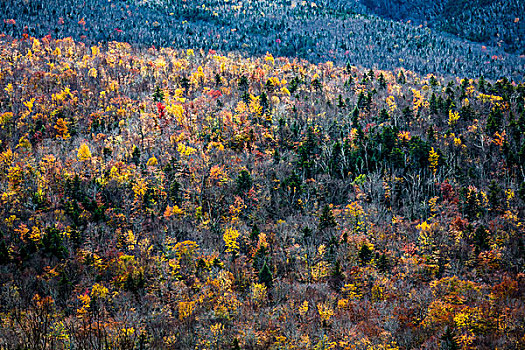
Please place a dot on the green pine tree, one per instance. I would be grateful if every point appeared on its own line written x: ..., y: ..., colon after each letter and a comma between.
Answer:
x: 327, y: 219
x: 266, y: 276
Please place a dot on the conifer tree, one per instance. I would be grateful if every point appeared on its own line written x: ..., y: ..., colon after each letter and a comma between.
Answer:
x: 266, y: 276
x: 327, y: 219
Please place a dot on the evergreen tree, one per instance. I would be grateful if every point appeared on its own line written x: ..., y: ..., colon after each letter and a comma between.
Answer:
x: 266, y: 276
x: 448, y: 341
x: 361, y: 100
x: 243, y: 83
x: 336, y: 279
x: 185, y: 83
x: 365, y: 254
x: 244, y: 181
x: 307, y: 153
x: 245, y: 97
x: 174, y: 191
x: 276, y: 156
x: 264, y: 102
x: 340, y: 102
x: 355, y: 117
x: 4, y: 252
x: 383, y: 116
x: 135, y: 156
x: 401, y: 79
x: 382, y: 263
x: 382, y: 81
x: 158, y: 94
x: 254, y: 234
x: 397, y: 158
x: 495, y: 196
x: 433, y: 81
x: 218, y: 79
x: 521, y: 191
x: 334, y: 164
x: 235, y: 345
x: 349, y: 82
x: 294, y: 85
x: 434, y: 106
x: 307, y: 233
x: 316, y: 83
x: 480, y: 238
x: 52, y: 243
x: 467, y: 112
x: 494, y: 121
x: 327, y: 219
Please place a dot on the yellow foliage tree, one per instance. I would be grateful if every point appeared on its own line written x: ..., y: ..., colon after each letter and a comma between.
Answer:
x: 230, y: 240
x: 84, y: 154
x: 453, y: 118
x: 62, y: 129
x: 325, y: 311
x: 152, y: 161
x: 433, y: 158
x: 186, y: 309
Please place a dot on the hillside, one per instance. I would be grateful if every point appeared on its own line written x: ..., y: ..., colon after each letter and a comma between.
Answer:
x: 321, y: 31
x: 185, y: 199
x: 496, y: 23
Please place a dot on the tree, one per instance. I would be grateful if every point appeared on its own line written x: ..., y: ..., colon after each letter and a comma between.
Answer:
x: 480, y: 238
x: 365, y: 254
x: 433, y: 81
x: 84, y: 154
x: 336, y: 279
x: 174, y: 192
x: 307, y: 152
x: 340, y: 102
x: 135, y: 155
x: 254, y: 234
x: 521, y: 191
x: 401, y: 79
x: 158, y: 94
x: 243, y: 83
x: 382, y: 81
x: 448, y: 341
x: 266, y: 276
x: 382, y: 263
x: 335, y: 164
x: 4, y: 252
x: 481, y: 84
x: 52, y: 243
x: 244, y: 181
x: 419, y: 152
x: 495, y: 196
x: 494, y: 121
x: 327, y: 219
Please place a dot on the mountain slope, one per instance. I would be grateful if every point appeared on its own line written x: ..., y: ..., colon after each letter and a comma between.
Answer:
x: 318, y: 32
x: 495, y: 23
x: 154, y: 198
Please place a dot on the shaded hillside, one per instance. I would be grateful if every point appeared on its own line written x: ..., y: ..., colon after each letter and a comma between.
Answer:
x: 319, y: 32
x: 168, y: 199
x: 496, y: 23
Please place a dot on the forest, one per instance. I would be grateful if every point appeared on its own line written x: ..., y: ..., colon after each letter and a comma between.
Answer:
x: 254, y: 174
x: 496, y: 23
x: 488, y: 42
x: 164, y: 198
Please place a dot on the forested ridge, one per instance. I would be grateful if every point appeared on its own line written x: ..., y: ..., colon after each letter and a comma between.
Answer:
x: 319, y: 31
x: 191, y: 199
x: 497, y: 23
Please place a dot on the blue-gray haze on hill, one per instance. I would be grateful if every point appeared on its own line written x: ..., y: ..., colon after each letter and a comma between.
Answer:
x: 339, y: 31
x: 497, y: 23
